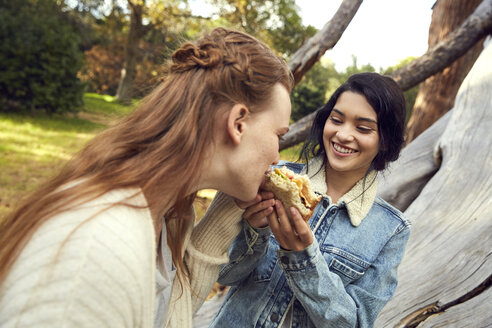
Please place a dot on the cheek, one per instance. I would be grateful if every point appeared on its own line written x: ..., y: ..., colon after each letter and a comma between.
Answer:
x: 372, y: 145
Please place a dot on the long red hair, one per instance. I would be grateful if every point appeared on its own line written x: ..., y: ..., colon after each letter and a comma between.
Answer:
x: 160, y: 147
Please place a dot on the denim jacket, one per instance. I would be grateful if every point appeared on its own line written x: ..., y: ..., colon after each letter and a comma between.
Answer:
x: 343, y: 279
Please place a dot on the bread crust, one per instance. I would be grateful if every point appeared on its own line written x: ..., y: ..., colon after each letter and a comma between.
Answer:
x: 287, y: 191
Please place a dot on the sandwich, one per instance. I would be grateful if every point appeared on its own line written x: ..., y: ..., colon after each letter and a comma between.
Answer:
x: 293, y: 190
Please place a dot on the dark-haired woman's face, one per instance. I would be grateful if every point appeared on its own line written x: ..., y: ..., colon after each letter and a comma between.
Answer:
x: 350, y: 135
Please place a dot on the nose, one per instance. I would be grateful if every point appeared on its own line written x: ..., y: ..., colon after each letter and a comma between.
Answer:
x: 345, y: 134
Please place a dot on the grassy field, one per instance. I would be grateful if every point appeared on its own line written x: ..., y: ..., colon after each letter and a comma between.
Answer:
x: 34, y: 148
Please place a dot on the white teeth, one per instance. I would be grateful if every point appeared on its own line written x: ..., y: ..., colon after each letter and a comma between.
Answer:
x: 342, y: 149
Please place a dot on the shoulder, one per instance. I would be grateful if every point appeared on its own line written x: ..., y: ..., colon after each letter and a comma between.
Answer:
x: 390, y: 212
x: 91, y: 263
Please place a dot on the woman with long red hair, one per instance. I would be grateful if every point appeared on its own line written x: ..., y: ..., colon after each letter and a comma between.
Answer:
x: 111, y: 241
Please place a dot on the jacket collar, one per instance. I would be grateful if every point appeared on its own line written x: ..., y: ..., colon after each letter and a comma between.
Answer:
x: 357, y: 200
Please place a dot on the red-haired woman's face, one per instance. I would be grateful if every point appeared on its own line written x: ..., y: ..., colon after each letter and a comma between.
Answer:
x: 261, y: 143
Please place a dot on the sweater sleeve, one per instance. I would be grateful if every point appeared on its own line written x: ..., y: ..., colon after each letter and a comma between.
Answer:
x: 205, y: 253
x: 80, y: 272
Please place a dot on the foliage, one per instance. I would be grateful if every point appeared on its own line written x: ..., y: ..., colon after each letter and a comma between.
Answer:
x: 411, y: 94
x: 310, y: 93
x: 276, y: 22
x: 167, y: 23
x: 318, y: 84
x: 39, y: 60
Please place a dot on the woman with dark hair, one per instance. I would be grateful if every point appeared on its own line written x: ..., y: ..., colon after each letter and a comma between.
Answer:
x: 111, y: 241
x: 340, y: 268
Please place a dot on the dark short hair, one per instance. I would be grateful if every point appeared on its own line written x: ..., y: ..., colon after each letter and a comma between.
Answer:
x: 386, y: 98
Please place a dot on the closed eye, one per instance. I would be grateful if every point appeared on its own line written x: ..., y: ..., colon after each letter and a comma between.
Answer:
x: 335, y: 120
x: 364, y: 129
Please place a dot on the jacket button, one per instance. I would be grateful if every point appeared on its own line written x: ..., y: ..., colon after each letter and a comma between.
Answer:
x: 325, y: 203
x: 284, y: 259
x: 333, y: 211
x: 274, y: 317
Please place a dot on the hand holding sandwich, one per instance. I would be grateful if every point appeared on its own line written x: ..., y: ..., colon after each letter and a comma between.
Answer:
x: 292, y: 234
x: 257, y: 210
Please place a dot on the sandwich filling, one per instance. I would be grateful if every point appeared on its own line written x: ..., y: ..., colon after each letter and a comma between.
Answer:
x: 292, y: 190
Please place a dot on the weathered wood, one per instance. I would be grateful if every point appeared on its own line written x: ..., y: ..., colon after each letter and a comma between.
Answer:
x: 402, y: 182
x: 474, y: 28
x: 447, y: 265
x: 311, y: 51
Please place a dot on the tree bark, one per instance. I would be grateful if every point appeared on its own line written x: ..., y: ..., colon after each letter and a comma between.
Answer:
x: 446, y: 273
x: 311, y: 51
x: 129, y: 70
x: 437, y: 93
x: 473, y: 29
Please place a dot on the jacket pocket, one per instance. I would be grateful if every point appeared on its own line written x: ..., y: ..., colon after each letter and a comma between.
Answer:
x: 346, y: 265
x: 345, y: 270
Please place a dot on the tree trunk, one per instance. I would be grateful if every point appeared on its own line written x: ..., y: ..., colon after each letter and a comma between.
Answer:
x: 446, y: 272
x: 473, y: 29
x: 129, y: 70
x: 437, y: 93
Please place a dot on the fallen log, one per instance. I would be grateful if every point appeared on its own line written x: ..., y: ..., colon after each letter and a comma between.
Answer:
x: 445, y: 276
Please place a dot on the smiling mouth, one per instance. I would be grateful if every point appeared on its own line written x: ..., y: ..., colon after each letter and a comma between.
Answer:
x: 343, y: 150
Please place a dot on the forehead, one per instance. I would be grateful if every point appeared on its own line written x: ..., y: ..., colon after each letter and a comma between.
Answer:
x: 355, y: 104
x: 278, y: 108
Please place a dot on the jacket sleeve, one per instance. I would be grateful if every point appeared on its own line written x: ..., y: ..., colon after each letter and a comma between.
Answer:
x: 246, y: 249
x: 205, y: 253
x: 356, y: 305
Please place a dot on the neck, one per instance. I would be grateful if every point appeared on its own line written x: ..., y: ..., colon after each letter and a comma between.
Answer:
x: 339, y: 183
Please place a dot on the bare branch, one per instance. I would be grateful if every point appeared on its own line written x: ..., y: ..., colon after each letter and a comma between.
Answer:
x: 311, y: 51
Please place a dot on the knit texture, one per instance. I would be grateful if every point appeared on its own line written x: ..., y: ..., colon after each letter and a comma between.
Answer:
x: 205, y: 253
x: 88, y: 267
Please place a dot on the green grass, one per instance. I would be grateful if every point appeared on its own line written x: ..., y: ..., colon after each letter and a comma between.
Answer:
x: 34, y: 147
x: 291, y: 154
x: 105, y: 105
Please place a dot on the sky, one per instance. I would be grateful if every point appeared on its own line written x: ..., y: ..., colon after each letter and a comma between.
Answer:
x: 382, y: 32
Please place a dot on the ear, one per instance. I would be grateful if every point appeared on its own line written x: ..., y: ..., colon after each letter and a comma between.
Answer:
x: 236, y: 122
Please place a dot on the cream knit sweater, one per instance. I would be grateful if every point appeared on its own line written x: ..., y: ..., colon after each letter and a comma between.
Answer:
x: 100, y: 272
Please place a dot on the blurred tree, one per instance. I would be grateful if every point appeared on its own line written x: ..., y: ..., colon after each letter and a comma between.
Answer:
x: 39, y: 60
x: 160, y: 27
x: 136, y: 32
x: 276, y: 22
x: 311, y: 93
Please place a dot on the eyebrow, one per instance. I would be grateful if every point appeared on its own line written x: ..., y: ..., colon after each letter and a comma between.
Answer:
x: 365, y: 119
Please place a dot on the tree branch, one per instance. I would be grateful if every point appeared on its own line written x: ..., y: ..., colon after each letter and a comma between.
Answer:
x: 443, y: 54
x: 311, y: 51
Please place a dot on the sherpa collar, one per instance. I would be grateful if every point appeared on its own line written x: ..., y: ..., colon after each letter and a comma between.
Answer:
x: 357, y: 200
